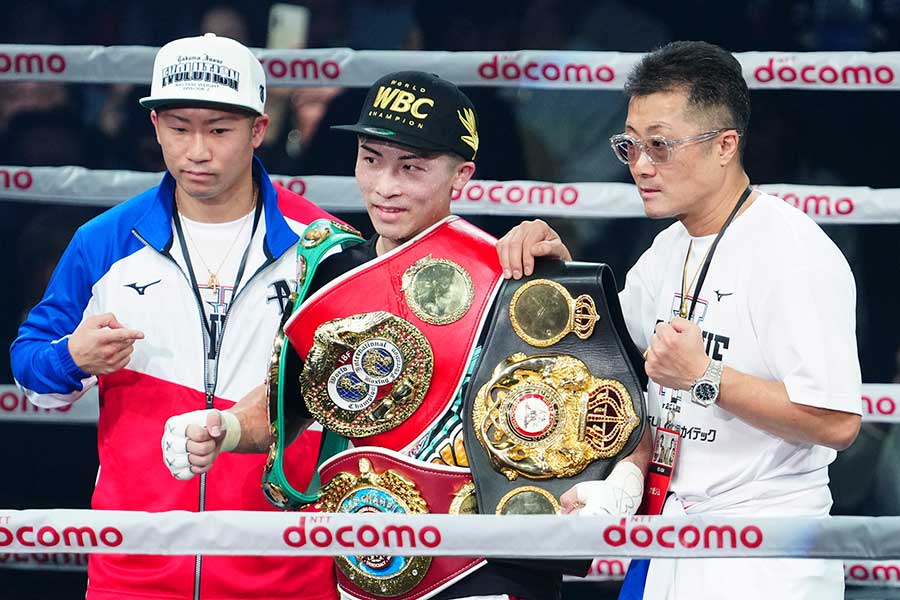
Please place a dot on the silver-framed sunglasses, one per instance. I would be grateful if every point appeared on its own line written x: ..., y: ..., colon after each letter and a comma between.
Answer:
x: 658, y: 149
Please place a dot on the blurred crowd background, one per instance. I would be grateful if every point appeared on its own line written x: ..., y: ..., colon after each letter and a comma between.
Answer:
x: 799, y: 137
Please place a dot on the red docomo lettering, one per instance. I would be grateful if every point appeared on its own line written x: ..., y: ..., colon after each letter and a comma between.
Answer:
x: 819, y: 204
x: 367, y: 536
x: 294, y: 184
x: 860, y: 572
x: 301, y: 68
x: 513, y: 71
x: 689, y: 536
x: 72, y: 537
x: 501, y: 193
x: 21, y: 179
x: 612, y: 568
x: 827, y: 74
x: 13, y: 402
x: 31, y: 63
x: 883, y: 406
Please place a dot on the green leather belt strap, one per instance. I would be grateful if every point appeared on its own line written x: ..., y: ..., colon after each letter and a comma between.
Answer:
x: 318, y: 240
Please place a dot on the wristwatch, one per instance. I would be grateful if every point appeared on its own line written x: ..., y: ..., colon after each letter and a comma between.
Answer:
x: 705, y: 390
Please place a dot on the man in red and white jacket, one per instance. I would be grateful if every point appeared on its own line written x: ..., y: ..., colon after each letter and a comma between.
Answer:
x: 169, y: 303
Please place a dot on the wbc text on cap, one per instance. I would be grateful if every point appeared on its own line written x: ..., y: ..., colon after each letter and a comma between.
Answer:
x: 419, y: 110
x: 207, y: 71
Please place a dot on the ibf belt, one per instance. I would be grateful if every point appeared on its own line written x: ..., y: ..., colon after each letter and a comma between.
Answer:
x: 556, y: 398
x: 385, y: 346
x: 368, y: 479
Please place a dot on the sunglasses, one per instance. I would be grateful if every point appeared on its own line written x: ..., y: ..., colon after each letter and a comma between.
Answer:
x: 657, y: 148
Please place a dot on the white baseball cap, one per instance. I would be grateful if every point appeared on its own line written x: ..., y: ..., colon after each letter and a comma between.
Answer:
x: 207, y: 70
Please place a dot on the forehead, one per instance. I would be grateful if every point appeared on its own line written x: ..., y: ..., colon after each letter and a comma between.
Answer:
x: 387, y: 148
x: 657, y: 112
x: 197, y: 114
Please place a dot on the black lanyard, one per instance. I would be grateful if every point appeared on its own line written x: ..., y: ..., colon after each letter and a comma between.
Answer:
x: 190, y: 267
x: 712, y: 250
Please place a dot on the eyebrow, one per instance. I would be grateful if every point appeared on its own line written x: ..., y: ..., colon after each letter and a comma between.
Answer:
x: 651, y: 129
x: 211, y: 121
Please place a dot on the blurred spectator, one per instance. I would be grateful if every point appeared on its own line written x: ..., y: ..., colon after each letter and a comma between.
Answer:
x: 226, y: 21
x: 50, y: 139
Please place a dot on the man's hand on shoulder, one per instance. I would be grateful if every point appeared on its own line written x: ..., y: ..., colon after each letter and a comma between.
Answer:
x: 526, y: 241
x: 192, y: 441
x: 102, y: 345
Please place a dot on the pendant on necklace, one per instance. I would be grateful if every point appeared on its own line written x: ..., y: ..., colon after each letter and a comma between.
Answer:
x: 213, y: 282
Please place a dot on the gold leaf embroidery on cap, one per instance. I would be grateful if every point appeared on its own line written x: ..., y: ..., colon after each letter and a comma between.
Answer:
x: 467, y: 118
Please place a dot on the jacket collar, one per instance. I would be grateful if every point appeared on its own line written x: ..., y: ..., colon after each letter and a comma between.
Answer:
x: 155, y: 227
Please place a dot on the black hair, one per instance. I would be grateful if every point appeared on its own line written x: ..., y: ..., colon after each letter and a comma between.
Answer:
x: 710, y: 75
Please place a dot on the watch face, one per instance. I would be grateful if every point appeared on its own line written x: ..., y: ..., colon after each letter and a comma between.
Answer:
x: 705, y: 393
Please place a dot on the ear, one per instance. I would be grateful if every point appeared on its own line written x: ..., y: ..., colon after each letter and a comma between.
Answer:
x: 728, y: 146
x: 258, y: 130
x: 462, y: 174
x: 154, y: 118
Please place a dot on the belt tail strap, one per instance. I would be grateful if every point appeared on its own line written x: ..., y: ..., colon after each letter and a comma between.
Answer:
x: 317, y: 241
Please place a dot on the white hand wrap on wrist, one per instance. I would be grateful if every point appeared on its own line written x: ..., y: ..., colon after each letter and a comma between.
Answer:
x: 174, y: 439
x: 618, y: 495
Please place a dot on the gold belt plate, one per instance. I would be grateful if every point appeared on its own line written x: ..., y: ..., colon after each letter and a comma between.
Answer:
x: 542, y: 312
x: 547, y: 416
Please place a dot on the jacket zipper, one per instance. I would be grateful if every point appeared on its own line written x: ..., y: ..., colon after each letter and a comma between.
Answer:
x: 209, y: 384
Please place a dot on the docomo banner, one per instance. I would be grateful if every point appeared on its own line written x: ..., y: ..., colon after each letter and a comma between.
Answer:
x: 76, y: 185
x: 14, y: 406
x: 524, y: 68
x: 273, y: 533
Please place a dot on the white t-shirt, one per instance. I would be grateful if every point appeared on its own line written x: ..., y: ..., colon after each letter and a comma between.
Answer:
x: 778, y: 303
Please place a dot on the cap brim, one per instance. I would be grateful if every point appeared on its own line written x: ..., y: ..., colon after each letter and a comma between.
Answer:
x: 393, y: 136
x: 154, y: 103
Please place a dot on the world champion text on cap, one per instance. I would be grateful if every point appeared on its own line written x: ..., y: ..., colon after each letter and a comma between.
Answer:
x: 201, y: 70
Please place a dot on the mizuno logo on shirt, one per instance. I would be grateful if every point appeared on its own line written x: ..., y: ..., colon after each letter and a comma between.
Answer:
x: 140, y: 289
x: 720, y: 295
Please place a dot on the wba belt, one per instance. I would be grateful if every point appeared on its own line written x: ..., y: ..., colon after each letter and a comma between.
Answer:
x: 557, y: 395
x: 385, y: 346
x: 369, y: 479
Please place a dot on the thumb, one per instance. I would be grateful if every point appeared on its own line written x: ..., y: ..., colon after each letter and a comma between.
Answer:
x: 214, y: 424
x: 569, y: 500
x: 680, y: 325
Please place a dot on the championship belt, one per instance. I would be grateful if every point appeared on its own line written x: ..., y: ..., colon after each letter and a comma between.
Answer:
x: 385, y: 346
x: 317, y: 240
x: 557, y: 397
x: 369, y: 479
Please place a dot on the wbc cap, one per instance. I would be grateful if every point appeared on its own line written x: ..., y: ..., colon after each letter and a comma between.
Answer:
x: 207, y: 71
x: 419, y: 110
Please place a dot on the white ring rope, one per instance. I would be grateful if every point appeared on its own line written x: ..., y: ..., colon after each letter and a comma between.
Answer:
x: 284, y: 533
x: 825, y: 71
x: 85, y: 187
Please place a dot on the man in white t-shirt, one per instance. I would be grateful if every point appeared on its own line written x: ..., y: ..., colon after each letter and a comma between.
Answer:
x: 749, y: 335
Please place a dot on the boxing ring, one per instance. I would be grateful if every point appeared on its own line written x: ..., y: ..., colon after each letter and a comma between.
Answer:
x: 61, y: 538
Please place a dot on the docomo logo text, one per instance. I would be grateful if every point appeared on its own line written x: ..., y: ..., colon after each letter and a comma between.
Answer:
x: 881, y: 406
x: 20, y: 179
x: 819, y: 204
x: 785, y: 72
x: 301, y: 68
x: 688, y: 536
x: 18, y: 402
x: 31, y: 63
x: 602, y: 567
x: 294, y: 184
x: 511, y: 70
x: 70, y: 537
x: 505, y: 193
x: 366, y: 536
x: 861, y: 572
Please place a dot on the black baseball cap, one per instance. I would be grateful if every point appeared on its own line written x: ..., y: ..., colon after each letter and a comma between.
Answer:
x: 419, y: 110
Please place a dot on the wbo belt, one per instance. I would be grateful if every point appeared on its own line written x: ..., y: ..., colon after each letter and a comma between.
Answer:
x: 385, y: 346
x: 369, y: 479
x: 557, y: 396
